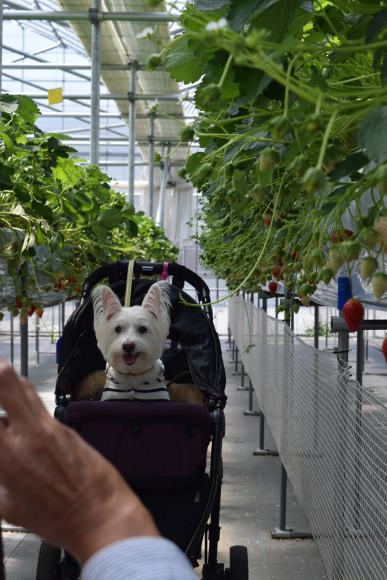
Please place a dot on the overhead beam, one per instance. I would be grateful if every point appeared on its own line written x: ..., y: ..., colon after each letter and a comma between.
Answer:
x: 118, y: 141
x: 72, y: 66
x: 118, y: 115
x: 123, y: 141
x: 57, y: 16
x: 43, y: 65
x: 113, y: 97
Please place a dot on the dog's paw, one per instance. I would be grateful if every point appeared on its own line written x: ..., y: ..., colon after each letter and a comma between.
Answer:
x: 90, y: 387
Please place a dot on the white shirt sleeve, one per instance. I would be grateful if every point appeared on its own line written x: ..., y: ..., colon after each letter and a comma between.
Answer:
x: 145, y: 558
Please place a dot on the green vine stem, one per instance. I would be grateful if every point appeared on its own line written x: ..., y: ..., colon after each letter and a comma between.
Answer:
x: 325, y: 140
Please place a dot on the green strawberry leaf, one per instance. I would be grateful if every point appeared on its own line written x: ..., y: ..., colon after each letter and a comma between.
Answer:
x: 242, y: 12
x: 348, y: 166
x: 372, y: 134
x: 181, y: 61
x: 376, y: 26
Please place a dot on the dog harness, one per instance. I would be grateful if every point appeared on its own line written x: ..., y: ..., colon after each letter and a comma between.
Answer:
x: 151, y: 388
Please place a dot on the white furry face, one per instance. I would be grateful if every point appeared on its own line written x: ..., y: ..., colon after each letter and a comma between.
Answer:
x: 131, y: 339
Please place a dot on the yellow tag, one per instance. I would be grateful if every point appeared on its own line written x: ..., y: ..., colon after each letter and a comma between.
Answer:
x: 55, y: 96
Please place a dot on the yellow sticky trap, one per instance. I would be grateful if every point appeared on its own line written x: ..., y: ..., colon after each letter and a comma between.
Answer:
x: 55, y: 96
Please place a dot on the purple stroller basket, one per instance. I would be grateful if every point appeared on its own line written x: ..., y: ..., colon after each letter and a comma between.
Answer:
x: 153, y: 445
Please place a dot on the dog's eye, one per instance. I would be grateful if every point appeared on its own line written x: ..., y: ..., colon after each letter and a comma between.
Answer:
x: 142, y: 329
x: 118, y: 329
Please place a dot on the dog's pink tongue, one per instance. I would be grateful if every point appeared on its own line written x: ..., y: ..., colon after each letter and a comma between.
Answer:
x: 129, y: 358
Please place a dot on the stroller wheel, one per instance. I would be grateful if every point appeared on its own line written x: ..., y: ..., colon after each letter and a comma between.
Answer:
x: 48, y: 560
x: 239, y: 564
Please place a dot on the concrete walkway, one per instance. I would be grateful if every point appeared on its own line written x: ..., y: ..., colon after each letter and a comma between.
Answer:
x: 250, y: 496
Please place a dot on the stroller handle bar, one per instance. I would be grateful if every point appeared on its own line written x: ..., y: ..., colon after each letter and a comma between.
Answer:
x: 118, y: 271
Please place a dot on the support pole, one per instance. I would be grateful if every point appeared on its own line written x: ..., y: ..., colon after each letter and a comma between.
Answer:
x: 250, y: 411
x: 95, y: 81
x: 63, y: 314
x: 360, y: 356
x: 1, y: 44
x: 163, y: 186
x: 12, y: 345
x: 132, y: 131
x: 151, y: 163
x: 24, y: 347
x: 282, y: 532
x: 37, y: 341
x: 316, y: 325
x: 261, y: 449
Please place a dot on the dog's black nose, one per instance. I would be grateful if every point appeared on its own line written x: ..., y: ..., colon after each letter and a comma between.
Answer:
x: 128, y: 347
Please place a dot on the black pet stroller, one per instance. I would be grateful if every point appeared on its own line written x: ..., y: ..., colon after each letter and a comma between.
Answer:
x: 159, y: 448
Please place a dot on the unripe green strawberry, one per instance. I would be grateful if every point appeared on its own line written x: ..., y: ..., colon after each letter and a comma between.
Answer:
x: 298, y: 165
x: 326, y: 274
x: 268, y: 158
x: 305, y: 300
x: 313, y: 124
x: 380, y: 226
x: 281, y: 127
x: 295, y: 307
x: 312, y: 179
x: 349, y: 250
x: 317, y: 258
x: 381, y: 176
x: 379, y: 284
x: 258, y: 193
x: 305, y: 290
x: 187, y: 133
x: 204, y: 172
x: 209, y: 96
x: 368, y: 237
x: 335, y: 260
x: 153, y: 62
x: 156, y: 158
x: 368, y: 266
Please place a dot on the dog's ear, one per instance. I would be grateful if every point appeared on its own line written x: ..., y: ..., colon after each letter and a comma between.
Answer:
x: 156, y: 300
x: 105, y: 303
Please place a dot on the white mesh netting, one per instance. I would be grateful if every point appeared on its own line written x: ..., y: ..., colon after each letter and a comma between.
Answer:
x: 331, y: 436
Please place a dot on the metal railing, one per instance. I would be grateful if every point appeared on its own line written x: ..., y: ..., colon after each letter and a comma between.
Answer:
x: 330, y: 433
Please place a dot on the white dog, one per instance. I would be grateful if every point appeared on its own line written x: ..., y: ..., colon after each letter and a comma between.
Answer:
x: 131, y: 341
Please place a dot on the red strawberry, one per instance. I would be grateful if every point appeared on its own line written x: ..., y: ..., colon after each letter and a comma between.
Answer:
x: 267, y: 217
x: 19, y: 302
x: 353, y: 313
x: 31, y: 309
x: 39, y: 312
x: 276, y: 271
x: 340, y: 236
x: 384, y: 347
x: 273, y: 288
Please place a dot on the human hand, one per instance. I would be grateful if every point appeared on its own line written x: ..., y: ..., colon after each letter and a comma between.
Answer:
x: 54, y: 484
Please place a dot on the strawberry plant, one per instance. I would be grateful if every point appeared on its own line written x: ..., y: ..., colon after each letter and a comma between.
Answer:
x: 59, y: 220
x: 293, y: 127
